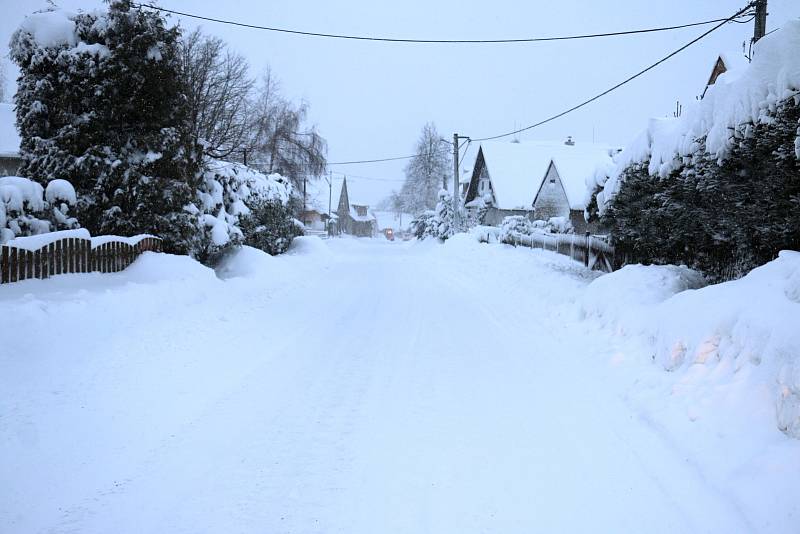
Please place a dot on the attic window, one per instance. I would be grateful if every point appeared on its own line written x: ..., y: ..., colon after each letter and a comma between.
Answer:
x: 552, y: 180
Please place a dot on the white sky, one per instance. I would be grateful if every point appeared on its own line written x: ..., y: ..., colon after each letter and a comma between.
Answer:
x: 370, y: 100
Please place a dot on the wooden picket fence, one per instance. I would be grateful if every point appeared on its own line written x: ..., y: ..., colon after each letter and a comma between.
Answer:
x: 593, y: 251
x: 71, y: 255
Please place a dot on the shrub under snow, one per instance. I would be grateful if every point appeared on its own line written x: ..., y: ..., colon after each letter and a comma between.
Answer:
x: 237, y: 204
x: 26, y: 208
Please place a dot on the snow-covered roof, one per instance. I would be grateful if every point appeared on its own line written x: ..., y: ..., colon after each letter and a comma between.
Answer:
x: 518, y: 169
x: 9, y: 137
x: 363, y: 218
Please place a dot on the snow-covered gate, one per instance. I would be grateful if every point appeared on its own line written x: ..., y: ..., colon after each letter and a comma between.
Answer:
x: 594, y: 252
x: 41, y: 257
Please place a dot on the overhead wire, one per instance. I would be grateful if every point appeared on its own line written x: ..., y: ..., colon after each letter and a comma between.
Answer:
x: 620, y: 84
x: 719, y: 23
x: 426, y: 41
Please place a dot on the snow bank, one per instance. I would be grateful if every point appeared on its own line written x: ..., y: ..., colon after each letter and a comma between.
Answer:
x: 153, y: 267
x: 245, y: 262
x: 748, y: 97
x: 620, y: 298
x: 309, y: 245
x: 746, y: 331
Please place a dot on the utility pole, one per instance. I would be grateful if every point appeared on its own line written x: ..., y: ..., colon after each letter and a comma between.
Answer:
x: 330, y: 192
x: 760, y: 20
x: 304, y: 198
x: 456, y: 193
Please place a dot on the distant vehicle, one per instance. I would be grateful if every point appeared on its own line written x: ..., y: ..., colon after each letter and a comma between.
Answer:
x: 389, y: 234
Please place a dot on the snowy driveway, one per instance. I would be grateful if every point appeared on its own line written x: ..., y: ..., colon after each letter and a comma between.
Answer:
x: 360, y: 386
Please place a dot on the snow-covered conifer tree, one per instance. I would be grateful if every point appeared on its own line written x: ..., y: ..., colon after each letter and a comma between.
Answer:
x: 100, y: 103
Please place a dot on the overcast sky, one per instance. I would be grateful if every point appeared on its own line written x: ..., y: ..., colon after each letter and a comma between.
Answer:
x: 370, y: 100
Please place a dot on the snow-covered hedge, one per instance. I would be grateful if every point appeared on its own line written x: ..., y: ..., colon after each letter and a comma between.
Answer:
x: 747, y: 96
x: 228, y: 193
x: 717, y: 188
x: 26, y: 208
x: 744, y: 331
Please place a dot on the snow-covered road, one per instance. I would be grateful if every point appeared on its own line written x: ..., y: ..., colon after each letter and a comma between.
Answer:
x: 359, y: 386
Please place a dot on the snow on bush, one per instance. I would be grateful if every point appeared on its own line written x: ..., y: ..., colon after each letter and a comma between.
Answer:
x: 742, y: 331
x: 521, y: 225
x: 424, y: 225
x: 749, y: 96
x: 26, y: 208
x: 229, y: 193
x: 515, y: 225
x: 554, y: 225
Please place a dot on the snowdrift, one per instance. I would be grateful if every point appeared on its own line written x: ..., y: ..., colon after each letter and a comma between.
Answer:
x: 309, y: 245
x: 746, y: 330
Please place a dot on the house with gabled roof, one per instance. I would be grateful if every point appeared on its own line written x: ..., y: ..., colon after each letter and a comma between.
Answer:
x: 354, y: 219
x: 537, y: 179
x: 724, y: 63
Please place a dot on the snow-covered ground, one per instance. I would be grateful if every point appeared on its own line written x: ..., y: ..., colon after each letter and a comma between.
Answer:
x: 368, y: 386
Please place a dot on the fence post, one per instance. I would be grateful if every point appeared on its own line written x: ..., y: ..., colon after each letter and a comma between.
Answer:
x: 4, y: 275
x: 586, y: 256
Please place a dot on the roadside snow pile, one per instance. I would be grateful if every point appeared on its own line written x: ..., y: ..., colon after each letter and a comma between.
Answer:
x: 309, y: 246
x: 747, y: 330
x: 26, y: 209
x: 245, y: 262
x: 750, y: 97
x: 152, y: 267
x: 621, y: 299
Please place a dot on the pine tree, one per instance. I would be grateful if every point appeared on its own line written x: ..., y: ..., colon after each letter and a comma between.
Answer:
x: 105, y: 109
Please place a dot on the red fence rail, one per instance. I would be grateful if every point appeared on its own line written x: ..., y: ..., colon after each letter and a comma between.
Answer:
x: 71, y: 255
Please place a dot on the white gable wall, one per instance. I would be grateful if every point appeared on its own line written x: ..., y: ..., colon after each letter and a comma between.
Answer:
x: 551, y: 200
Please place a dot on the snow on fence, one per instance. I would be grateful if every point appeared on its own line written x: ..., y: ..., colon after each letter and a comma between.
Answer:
x: 593, y: 251
x: 72, y: 251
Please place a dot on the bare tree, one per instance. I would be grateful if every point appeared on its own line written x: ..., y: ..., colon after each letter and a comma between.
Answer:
x: 218, y: 87
x: 280, y: 140
x: 426, y: 172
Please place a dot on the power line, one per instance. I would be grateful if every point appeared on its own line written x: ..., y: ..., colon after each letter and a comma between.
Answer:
x: 431, y: 41
x: 620, y: 84
x: 368, y: 178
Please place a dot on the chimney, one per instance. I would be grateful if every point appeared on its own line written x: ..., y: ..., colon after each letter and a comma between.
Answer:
x: 569, y: 141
